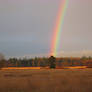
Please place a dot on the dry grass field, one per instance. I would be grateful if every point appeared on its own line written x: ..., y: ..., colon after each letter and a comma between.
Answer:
x: 46, y: 80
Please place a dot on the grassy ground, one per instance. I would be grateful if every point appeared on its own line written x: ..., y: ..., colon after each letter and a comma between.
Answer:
x: 63, y: 80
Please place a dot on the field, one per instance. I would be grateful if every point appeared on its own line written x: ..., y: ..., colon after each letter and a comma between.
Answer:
x: 46, y: 80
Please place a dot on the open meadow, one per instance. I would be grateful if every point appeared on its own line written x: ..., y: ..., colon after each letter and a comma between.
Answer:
x: 46, y: 80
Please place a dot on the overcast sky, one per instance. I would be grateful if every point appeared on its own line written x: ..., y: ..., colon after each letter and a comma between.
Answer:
x: 26, y: 27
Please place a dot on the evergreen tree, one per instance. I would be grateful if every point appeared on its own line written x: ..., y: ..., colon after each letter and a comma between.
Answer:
x: 52, y: 62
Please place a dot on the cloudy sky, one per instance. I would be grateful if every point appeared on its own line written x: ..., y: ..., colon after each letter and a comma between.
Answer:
x: 26, y: 27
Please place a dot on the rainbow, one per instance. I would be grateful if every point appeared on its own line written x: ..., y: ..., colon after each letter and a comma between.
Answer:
x: 58, y: 27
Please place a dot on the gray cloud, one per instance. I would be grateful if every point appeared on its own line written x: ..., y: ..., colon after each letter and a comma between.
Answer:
x: 26, y: 26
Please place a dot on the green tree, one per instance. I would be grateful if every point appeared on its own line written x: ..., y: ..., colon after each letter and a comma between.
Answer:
x: 52, y: 62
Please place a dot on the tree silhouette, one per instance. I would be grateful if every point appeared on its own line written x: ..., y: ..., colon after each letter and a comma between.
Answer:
x: 52, y: 62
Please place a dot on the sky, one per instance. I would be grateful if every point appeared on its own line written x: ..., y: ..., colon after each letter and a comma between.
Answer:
x: 26, y: 28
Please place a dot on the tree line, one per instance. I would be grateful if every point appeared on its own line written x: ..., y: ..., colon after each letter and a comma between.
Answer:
x: 51, y: 62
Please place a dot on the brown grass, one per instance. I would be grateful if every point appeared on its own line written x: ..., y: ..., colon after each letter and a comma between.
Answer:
x: 54, y: 80
x: 77, y: 67
x: 20, y: 68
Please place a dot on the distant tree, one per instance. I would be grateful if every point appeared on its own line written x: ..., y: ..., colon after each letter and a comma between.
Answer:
x: 36, y: 62
x: 90, y: 58
x: 59, y: 64
x: 30, y: 62
x: 2, y: 60
x: 84, y: 58
x: 1, y: 57
x: 13, y: 62
x: 2, y: 63
x: 52, y: 62
x: 24, y: 62
x: 43, y: 62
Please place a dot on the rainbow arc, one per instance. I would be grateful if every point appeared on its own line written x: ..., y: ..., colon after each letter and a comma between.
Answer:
x: 58, y: 27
